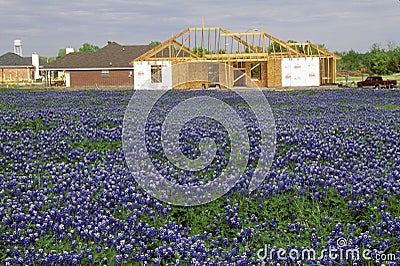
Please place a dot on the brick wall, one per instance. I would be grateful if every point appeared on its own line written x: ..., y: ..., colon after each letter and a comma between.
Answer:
x: 99, y: 78
x: 16, y: 74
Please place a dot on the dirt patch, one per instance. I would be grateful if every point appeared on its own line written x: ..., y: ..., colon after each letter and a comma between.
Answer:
x: 356, y: 73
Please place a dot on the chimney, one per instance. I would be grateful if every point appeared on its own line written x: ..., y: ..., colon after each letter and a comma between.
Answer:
x: 69, y: 50
x: 35, y: 64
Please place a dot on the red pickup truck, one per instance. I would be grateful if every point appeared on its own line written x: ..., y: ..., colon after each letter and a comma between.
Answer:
x: 377, y: 82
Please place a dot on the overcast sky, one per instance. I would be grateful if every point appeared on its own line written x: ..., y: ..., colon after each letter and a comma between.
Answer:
x: 46, y: 26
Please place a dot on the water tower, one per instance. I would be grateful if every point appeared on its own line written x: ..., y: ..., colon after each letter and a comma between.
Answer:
x: 18, y: 47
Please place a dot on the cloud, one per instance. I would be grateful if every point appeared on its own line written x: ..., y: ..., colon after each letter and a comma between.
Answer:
x: 47, y: 26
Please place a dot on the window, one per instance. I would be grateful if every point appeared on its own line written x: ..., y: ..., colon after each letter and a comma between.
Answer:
x: 256, y: 71
x: 105, y: 73
x: 156, y: 76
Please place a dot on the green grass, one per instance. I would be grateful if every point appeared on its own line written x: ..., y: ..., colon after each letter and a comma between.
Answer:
x: 8, y: 106
x: 25, y: 88
x: 389, y: 107
x: 283, y: 208
x: 35, y: 125
x: 99, y: 145
x: 355, y: 79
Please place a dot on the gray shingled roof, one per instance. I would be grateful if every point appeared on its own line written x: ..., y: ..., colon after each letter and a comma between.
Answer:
x: 113, y: 55
x: 14, y: 60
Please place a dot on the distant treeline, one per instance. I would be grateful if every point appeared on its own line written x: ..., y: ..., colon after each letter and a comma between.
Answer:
x: 379, y: 60
x: 86, y: 47
x: 382, y: 61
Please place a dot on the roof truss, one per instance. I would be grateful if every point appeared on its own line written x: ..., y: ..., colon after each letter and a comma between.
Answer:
x: 218, y: 44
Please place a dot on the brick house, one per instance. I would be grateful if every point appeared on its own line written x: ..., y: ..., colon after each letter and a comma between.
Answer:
x: 18, y: 69
x: 108, y: 66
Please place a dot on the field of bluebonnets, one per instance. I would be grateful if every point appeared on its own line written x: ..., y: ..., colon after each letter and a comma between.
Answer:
x: 68, y: 198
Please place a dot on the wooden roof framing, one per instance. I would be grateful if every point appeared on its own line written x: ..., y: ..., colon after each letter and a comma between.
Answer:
x: 220, y: 45
x: 311, y: 49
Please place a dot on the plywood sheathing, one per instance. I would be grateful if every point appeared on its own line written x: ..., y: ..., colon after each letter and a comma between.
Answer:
x: 274, y: 73
x: 264, y: 75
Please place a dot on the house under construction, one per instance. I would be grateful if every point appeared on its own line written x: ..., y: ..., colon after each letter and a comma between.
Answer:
x: 269, y: 61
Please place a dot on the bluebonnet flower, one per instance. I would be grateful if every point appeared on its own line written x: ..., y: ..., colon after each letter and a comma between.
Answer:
x: 62, y: 179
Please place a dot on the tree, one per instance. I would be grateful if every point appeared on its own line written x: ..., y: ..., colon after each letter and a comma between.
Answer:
x: 275, y: 47
x: 47, y: 59
x: 379, y: 60
x: 379, y: 63
x: 61, y: 53
x: 376, y: 48
x: 200, y: 51
x: 394, y: 57
x: 352, y: 61
x: 87, y: 47
x: 322, y: 45
x: 154, y: 43
x: 222, y: 51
